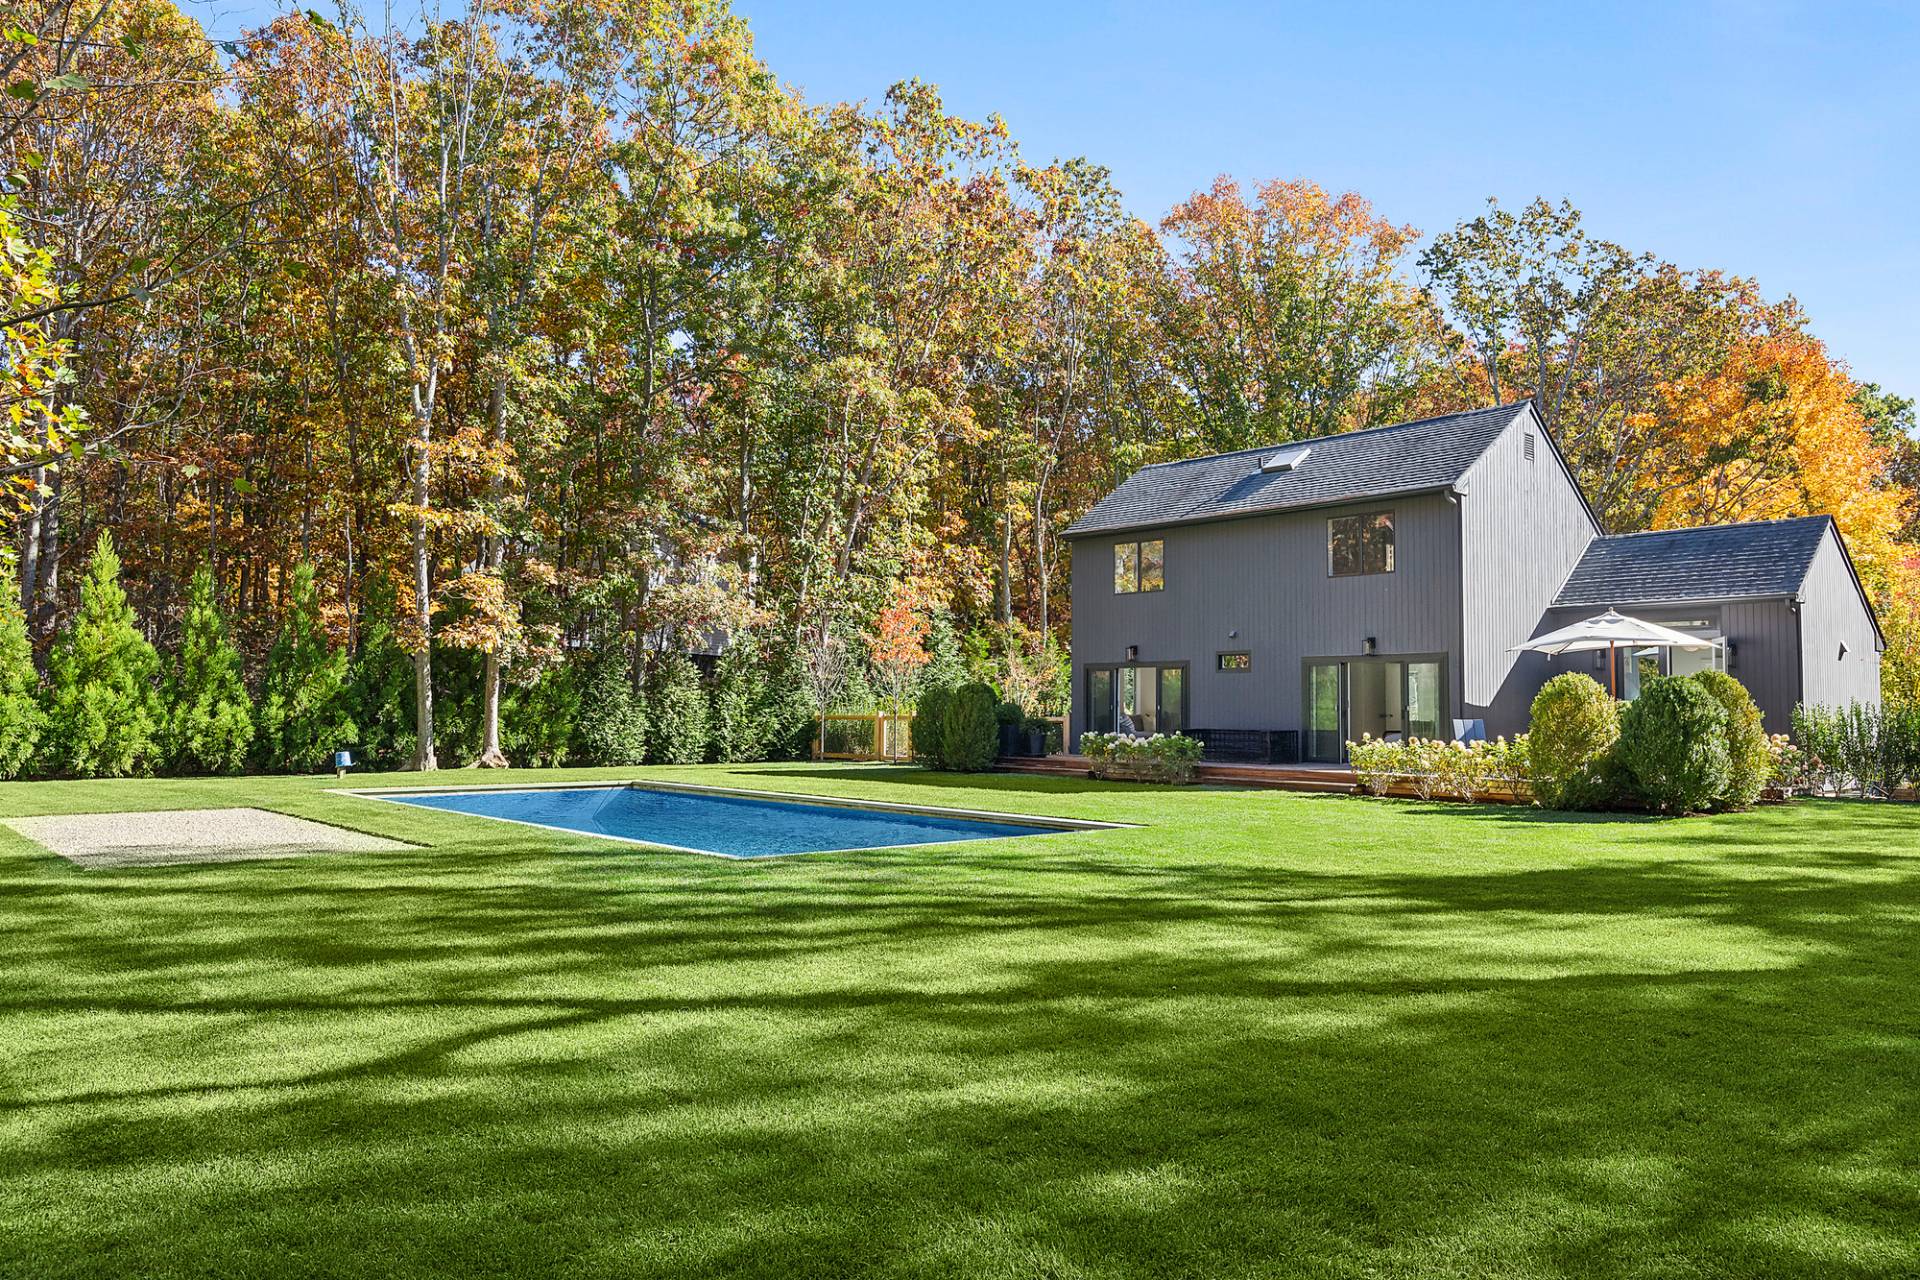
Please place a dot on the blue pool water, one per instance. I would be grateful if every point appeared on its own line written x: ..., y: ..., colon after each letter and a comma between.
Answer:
x: 736, y: 826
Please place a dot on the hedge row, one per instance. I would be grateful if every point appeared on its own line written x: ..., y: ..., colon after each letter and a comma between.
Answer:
x: 1687, y: 744
x: 108, y: 706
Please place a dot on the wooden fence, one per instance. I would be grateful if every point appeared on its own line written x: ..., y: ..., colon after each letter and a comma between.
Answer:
x: 864, y: 736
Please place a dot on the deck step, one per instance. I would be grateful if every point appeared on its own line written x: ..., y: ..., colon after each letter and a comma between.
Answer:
x: 1277, y: 777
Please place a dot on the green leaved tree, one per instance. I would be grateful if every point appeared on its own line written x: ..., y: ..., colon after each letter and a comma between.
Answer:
x: 303, y: 711
x: 209, y: 717
x: 105, y: 712
x: 22, y: 719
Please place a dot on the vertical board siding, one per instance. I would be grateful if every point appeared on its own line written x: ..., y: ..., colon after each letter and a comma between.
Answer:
x: 1524, y: 529
x: 1265, y: 577
x: 1833, y: 615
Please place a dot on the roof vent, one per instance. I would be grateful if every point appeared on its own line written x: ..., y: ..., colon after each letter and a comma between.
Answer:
x: 1287, y: 459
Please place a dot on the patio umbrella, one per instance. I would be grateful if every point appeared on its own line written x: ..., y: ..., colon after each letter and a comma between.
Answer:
x: 1609, y: 631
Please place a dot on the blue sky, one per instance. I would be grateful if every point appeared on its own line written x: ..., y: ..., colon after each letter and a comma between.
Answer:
x: 1776, y: 140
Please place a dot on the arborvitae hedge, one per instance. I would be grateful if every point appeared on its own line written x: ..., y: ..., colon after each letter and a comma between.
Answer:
x: 786, y: 713
x: 676, y: 711
x: 613, y: 718
x: 379, y: 693
x: 970, y: 729
x: 303, y: 713
x: 105, y: 708
x: 540, y: 721
x: 735, y: 731
x: 21, y: 717
x: 209, y: 717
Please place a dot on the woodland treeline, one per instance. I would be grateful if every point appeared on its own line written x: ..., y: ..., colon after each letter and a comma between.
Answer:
x: 563, y: 329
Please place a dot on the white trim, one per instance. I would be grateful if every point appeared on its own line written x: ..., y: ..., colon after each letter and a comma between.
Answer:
x: 1045, y: 825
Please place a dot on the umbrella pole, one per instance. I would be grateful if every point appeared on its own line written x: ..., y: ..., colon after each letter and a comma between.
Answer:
x: 1613, y: 671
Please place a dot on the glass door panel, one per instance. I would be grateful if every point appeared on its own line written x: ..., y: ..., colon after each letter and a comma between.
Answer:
x: 1425, y: 714
x: 1100, y: 701
x: 1325, y: 739
x: 1173, y: 682
x: 1139, y: 700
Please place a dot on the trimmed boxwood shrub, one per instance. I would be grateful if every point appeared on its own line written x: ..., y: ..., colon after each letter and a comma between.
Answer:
x: 929, y: 726
x: 1574, y: 727
x: 1673, y: 746
x: 1748, y: 759
x: 970, y: 729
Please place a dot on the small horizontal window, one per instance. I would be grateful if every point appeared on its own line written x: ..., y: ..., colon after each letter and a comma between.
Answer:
x: 1139, y: 566
x: 1236, y: 662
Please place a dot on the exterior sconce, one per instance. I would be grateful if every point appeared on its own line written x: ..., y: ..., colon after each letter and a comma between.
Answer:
x: 1370, y: 645
x: 1133, y: 652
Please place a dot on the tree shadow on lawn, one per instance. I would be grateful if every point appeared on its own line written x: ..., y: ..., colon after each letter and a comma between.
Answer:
x: 982, y: 1066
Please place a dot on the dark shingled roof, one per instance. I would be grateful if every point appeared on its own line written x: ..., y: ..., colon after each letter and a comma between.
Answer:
x: 1411, y: 457
x: 1720, y: 562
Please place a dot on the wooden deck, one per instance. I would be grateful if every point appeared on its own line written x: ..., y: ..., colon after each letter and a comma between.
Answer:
x: 1331, y: 778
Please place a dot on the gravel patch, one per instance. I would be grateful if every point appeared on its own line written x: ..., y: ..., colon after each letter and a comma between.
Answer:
x: 168, y: 836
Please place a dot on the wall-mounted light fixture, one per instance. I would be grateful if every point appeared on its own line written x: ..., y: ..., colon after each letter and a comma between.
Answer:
x: 1369, y: 645
x: 1133, y: 652
x: 1732, y: 652
x: 1843, y: 649
x: 1234, y: 634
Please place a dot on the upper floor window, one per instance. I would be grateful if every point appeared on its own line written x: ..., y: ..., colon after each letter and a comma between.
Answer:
x: 1360, y: 544
x: 1139, y: 566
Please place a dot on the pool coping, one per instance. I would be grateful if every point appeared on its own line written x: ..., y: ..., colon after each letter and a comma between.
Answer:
x: 1047, y: 824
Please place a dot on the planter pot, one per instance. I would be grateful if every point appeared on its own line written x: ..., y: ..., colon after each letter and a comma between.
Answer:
x: 1010, y: 740
x: 1036, y: 742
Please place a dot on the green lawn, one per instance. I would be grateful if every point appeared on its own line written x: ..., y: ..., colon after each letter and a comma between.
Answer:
x: 1267, y: 1034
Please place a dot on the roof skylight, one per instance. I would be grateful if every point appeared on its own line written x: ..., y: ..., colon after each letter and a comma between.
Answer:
x: 1287, y: 459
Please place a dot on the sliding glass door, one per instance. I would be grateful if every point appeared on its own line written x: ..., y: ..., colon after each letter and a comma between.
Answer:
x: 1139, y: 699
x: 1390, y: 698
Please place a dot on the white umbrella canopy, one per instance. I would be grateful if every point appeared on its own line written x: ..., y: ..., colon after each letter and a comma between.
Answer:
x: 1610, y: 630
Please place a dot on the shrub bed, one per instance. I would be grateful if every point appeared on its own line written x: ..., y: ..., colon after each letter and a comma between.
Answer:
x: 1164, y: 757
x: 1427, y: 768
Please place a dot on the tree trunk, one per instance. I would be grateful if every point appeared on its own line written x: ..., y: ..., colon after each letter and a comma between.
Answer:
x: 30, y: 550
x: 49, y: 590
x: 491, y: 756
x: 423, y: 754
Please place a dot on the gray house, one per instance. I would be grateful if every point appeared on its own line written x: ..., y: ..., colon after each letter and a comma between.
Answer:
x: 1378, y: 582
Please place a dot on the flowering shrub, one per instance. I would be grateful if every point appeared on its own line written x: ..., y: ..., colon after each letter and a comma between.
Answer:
x: 1789, y: 769
x: 1164, y: 757
x: 1427, y: 767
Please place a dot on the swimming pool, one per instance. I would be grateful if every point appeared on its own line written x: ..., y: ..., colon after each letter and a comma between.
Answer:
x: 728, y: 823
